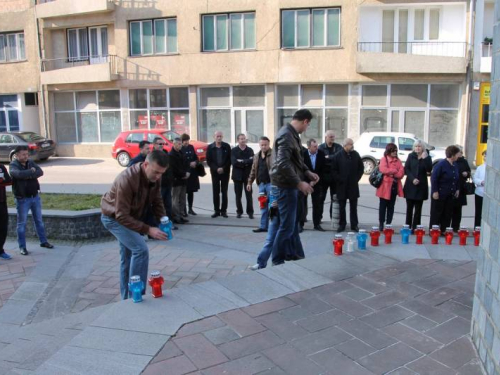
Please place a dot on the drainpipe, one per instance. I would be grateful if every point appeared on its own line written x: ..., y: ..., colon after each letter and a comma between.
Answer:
x: 470, y: 75
x: 42, y: 86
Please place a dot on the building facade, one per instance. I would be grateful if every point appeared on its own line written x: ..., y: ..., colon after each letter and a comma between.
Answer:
x: 103, y: 66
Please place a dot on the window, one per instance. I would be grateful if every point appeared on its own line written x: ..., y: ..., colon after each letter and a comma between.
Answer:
x: 87, y: 116
x: 223, y: 32
x: 406, y: 144
x: 12, y: 47
x: 9, y: 113
x: 381, y: 142
x: 7, y: 139
x: 160, y: 108
x: 153, y: 37
x: 135, y: 138
x: 30, y: 98
x: 419, y: 22
x: 78, y: 45
x: 306, y: 28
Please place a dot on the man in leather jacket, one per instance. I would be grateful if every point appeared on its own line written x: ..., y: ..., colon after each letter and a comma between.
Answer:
x: 288, y: 174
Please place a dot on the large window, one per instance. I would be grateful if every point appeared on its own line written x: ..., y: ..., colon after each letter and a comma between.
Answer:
x: 87, y: 116
x: 309, y: 28
x: 223, y: 32
x: 428, y: 111
x: 153, y: 37
x: 9, y: 113
x: 160, y: 108
x: 12, y: 47
x: 232, y: 110
x: 328, y: 104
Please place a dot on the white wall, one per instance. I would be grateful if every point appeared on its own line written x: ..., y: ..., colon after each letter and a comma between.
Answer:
x: 30, y: 117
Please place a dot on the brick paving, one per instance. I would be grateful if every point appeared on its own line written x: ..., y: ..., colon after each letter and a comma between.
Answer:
x: 410, y: 318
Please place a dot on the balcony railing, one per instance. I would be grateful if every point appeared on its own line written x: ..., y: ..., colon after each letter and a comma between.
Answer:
x: 54, y: 64
x: 486, y: 49
x: 449, y: 49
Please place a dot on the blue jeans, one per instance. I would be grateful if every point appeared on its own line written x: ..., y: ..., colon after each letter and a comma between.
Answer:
x: 287, y: 244
x: 264, y: 188
x: 23, y: 206
x: 267, y: 249
x: 134, y: 255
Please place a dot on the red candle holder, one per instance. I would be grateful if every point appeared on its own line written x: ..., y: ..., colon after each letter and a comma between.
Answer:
x: 374, y: 235
x: 477, y: 235
x: 420, y: 233
x: 435, y: 233
x: 448, y: 236
x: 388, y: 233
x: 262, y: 200
x: 463, y: 233
x: 338, y: 242
x: 156, y: 281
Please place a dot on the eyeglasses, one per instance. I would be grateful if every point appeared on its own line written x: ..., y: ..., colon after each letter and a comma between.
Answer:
x: 160, y: 144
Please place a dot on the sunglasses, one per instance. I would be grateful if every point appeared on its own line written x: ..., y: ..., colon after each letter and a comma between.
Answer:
x: 160, y: 144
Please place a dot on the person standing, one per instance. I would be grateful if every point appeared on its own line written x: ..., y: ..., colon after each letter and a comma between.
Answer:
x: 124, y: 208
x: 315, y: 160
x: 193, y: 182
x: 166, y: 181
x: 26, y: 188
x: 416, y: 188
x: 391, y: 186
x: 480, y: 181
x: 219, y: 162
x: 180, y: 174
x: 288, y: 173
x: 144, y: 150
x: 347, y: 171
x: 5, y: 180
x: 260, y: 173
x: 445, y: 188
x: 330, y: 148
x: 464, y: 173
x: 242, y: 160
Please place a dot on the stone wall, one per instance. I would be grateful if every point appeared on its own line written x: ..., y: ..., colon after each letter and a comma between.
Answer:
x: 486, y: 311
x: 64, y: 225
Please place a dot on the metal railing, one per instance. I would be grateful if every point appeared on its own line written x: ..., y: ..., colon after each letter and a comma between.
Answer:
x: 486, y: 49
x: 70, y: 62
x: 450, y: 49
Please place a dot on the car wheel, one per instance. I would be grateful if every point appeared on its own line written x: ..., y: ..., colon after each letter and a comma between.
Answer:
x: 369, y: 165
x: 123, y: 159
x: 13, y: 156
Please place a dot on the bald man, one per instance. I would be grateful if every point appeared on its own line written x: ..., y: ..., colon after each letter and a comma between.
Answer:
x: 219, y: 162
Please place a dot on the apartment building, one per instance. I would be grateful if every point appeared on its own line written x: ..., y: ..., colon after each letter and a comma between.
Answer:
x: 237, y: 66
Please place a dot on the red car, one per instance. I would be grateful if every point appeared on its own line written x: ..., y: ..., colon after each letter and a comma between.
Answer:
x: 126, y: 145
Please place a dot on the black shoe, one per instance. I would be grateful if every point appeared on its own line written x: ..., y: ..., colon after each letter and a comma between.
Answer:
x: 184, y: 221
x: 301, y: 229
x: 224, y: 214
x: 238, y: 216
x: 215, y: 214
x: 175, y: 228
x: 318, y: 227
x: 250, y: 216
x: 355, y: 229
x: 47, y: 245
x: 23, y: 251
x: 184, y: 214
x: 259, y: 230
x: 341, y: 229
x: 191, y: 212
x: 176, y: 221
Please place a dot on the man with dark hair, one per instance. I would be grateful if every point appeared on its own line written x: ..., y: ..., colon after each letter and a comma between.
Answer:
x: 288, y: 174
x: 180, y: 173
x: 166, y: 179
x: 25, y: 187
x: 144, y: 150
x: 260, y: 172
x: 124, y: 208
x: 330, y: 148
x: 219, y: 162
x: 242, y: 160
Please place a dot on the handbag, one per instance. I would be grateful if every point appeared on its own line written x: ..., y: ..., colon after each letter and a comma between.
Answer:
x: 376, y: 178
x: 200, y: 169
x: 469, y: 187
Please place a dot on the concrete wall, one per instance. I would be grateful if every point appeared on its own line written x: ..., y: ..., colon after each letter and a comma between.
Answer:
x: 486, y: 311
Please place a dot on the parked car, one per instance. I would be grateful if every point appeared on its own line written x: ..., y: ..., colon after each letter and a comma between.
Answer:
x: 371, y: 147
x: 40, y: 148
x: 126, y: 145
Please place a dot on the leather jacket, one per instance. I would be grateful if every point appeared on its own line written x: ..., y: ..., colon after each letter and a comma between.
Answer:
x: 254, y: 173
x: 24, y: 180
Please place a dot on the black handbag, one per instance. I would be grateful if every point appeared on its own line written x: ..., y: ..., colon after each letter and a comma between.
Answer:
x: 200, y: 169
x: 469, y: 187
x: 376, y: 178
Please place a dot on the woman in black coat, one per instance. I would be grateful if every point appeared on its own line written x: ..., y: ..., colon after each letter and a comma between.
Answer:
x: 465, y: 173
x: 193, y: 182
x: 416, y: 189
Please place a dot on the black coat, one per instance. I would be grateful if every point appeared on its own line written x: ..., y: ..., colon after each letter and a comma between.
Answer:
x: 179, y: 167
x: 320, y: 163
x: 193, y: 182
x: 212, y: 158
x: 347, y: 171
x: 463, y: 166
x: 167, y: 177
x: 330, y: 152
x: 419, y: 169
x: 241, y: 169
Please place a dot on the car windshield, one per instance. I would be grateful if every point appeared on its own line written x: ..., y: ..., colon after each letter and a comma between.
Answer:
x: 31, y: 137
x: 170, y: 135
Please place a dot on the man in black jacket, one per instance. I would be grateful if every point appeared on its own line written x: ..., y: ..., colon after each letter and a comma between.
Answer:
x: 219, y: 162
x: 330, y: 148
x: 288, y: 174
x: 166, y: 185
x: 180, y: 174
x: 242, y: 160
x: 347, y: 171
x: 5, y: 180
x: 144, y: 150
x: 315, y: 160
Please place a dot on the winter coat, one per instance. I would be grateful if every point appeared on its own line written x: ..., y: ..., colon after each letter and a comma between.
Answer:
x: 193, y: 182
x: 444, y: 179
x: 242, y: 168
x: 347, y: 171
x: 463, y: 166
x: 393, y: 171
x: 329, y: 154
x: 212, y: 158
x: 416, y: 168
x: 179, y: 167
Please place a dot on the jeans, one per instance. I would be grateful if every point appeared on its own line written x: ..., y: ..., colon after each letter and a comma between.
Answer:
x: 166, y: 196
x: 23, y: 206
x: 267, y: 249
x: 134, y: 255
x: 264, y: 219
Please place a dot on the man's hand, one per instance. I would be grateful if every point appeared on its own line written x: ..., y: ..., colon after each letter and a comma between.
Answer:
x: 157, y: 234
x: 33, y: 169
x: 457, y: 193
x: 305, y: 188
x: 192, y: 164
x: 424, y: 154
x: 220, y: 170
x: 239, y: 160
x: 312, y: 176
x: 435, y: 195
x: 187, y: 175
x: 416, y: 181
x: 465, y: 174
x: 249, y: 187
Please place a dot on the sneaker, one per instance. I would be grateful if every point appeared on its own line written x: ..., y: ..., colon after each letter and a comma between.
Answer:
x: 5, y: 256
x: 255, y: 267
x: 23, y: 251
x: 47, y: 245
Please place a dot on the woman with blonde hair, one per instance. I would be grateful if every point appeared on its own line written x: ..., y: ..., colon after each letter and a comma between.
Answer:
x: 479, y: 180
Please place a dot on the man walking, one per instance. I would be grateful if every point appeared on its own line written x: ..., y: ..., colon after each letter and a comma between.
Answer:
x: 124, y: 208
x: 219, y: 162
x: 5, y: 180
x: 314, y: 158
x: 330, y: 148
x: 288, y: 173
x: 347, y: 171
x: 242, y: 160
x: 260, y: 172
x: 144, y: 150
x: 180, y: 174
x: 25, y: 187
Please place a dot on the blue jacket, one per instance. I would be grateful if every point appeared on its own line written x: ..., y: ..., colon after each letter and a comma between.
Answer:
x: 445, y: 179
x: 140, y: 158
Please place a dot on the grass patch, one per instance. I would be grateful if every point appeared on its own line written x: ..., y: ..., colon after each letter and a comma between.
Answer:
x: 65, y: 202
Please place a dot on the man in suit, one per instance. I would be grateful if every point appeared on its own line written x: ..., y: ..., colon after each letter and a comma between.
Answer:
x: 144, y: 150
x: 242, y: 160
x: 315, y: 160
x: 329, y: 148
x: 219, y: 162
x: 180, y: 173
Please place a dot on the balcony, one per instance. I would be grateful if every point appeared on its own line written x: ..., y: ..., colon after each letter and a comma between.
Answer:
x: 64, y: 8
x: 82, y: 70
x: 412, y: 57
x: 486, y: 53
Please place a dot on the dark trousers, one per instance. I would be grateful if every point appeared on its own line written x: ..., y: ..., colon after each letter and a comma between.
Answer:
x: 318, y: 200
x: 386, y: 207
x: 324, y: 189
x: 353, y: 207
x: 456, y: 215
x: 441, y: 210
x: 301, y: 208
x: 413, y: 218
x: 478, y: 200
x: 190, y: 199
x: 4, y: 224
x: 220, y: 183
x: 239, y: 187
x: 166, y: 196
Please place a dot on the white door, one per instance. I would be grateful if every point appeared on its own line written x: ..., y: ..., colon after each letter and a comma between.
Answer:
x: 98, y: 37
